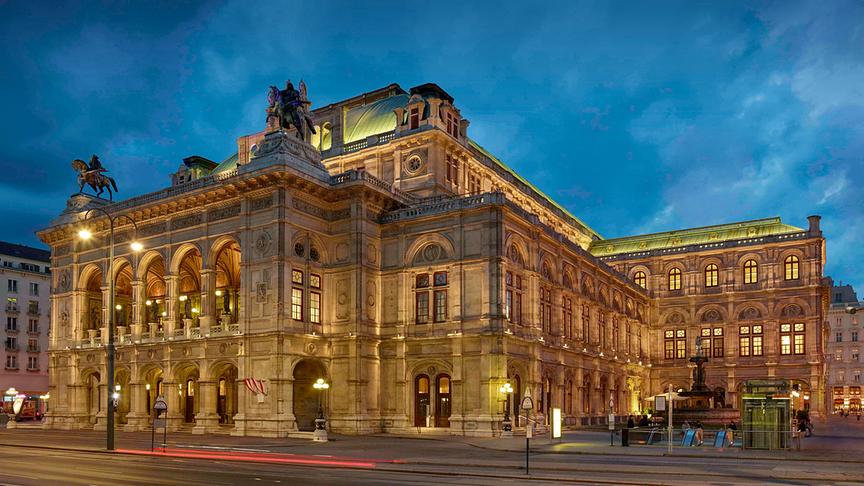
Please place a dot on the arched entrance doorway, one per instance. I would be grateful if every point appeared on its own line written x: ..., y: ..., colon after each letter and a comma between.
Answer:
x: 152, y: 388
x: 226, y: 394
x: 189, y: 298
x: 93, y: 303
x: 93, y: 400
x: 187, y: 387
x: 305, y: 396
x: 442, y: 401
x: 422, y: 403
x: 121, y: 385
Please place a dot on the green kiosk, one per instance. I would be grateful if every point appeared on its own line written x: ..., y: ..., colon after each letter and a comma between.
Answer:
x: 766, y: 414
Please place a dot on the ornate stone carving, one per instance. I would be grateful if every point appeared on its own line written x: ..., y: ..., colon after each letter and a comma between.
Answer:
x: 260, y: 203
x: 341, y: 252
x: 792, y: 310
x: 60, y: 250
x: 64, y: 282
x: 712, y: 315
x: 224, y: 213
x: 749, y: 313
x: 153, y: 229
x: 675, y: 318
x: 263, y: 243
x: 186, y: 221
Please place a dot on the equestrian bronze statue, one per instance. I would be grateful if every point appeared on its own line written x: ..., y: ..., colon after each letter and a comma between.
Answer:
x: 290, y: 108
x: 93, y: 175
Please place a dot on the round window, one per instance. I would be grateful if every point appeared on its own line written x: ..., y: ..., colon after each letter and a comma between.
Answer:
x: 414, y: 164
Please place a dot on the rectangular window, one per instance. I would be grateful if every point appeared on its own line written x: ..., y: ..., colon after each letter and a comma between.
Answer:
x: 297, y: 304
x: 675, y: 344
x: 32, y: 362
x: 567, y: 316
x: 513, y: 297
x: 12, y: 285
x: 680, y: 344
x: 11, y: 323
x: 421, y: 311
x: 785, y: 339
x: 11, y: 343
x: 586, y: 323
x: 315, y: 307
x: 421, y: 281
x: 440, y: 279
x: 717, y: 343
x: 792, y: 338
x: 33, y: 307
x: 854, y: 336
x: 297, y: 277
x: 33, y: 345
x: 11, y: 362
x: 440, y: 306
x: 314, y: 281
x: 34, y: 288
x: 855, y: 356
x: 838, y: 337
x: 414, y: 118
x: 838, y: 355
x: 33, y: 326
x: 546, y: 310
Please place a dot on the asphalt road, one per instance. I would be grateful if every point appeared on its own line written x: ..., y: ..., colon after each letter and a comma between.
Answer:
x: 30, y: 466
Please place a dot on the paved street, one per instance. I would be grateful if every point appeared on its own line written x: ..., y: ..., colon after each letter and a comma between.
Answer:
x: 584, y: 457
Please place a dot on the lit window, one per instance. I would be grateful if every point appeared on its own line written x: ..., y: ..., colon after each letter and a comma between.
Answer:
x: 297, y: 277
x: 315, y: 307
x: 422, y: 307
x: 751, y: 272
x: 440, y: 306
x: 711, y: 275
x: 675, y: 279
x: 640, y: 279
x: 791, y: 265
x: 675, y: 344
x: 513, y: 298
x: 297, y: 304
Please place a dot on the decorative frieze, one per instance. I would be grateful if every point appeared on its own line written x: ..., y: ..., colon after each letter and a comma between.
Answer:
x: 261, y: 203
x: 153, y: 229
x: 224, y: 213
x: 186, y: 221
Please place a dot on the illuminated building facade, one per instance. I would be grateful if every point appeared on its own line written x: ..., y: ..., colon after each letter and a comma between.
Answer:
x: 393, y: 257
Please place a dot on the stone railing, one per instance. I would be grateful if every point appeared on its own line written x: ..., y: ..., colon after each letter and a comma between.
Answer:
x: 361, y: 175
x: 438, y: 205
x: 174, y: 190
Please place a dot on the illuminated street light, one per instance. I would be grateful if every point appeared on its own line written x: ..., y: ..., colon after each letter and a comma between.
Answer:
x: 86, y: 234
x: 506, y: 426
x: 320, y: 434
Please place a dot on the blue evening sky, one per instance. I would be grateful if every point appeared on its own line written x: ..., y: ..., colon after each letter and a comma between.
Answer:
x: 637, y: 116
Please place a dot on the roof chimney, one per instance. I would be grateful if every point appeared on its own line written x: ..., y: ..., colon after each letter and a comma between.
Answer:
x: 814, y: 224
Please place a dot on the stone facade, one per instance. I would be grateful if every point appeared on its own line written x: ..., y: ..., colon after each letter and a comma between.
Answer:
x: 25, y: 289
x: 393, y: 257
x: 845, y: 338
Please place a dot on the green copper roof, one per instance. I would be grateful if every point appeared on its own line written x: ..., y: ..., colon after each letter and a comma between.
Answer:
x: 694, y: 236
x: 228, y: 164
x: 372, y: 119
x: 532, y: 186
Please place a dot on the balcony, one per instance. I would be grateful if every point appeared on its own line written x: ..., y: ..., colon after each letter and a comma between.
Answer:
x: 11, y: 330
x: 12, y: 348
x: 34, y: 311
x: 33, y: 330
x: 12, y: 309
x: 33, y: 348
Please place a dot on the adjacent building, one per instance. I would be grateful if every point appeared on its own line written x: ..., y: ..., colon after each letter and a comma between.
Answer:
x: 844, y: 350
x: 25, y: 288
x: 396, y: 258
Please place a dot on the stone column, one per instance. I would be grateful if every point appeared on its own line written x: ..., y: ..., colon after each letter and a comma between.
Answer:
x: 138, y: 298
x: 208, y: 314
x: 172, y: 284
x: 138, y: 417
x: 174, y: 416
x: 102, y: 415
x: 206, y: 420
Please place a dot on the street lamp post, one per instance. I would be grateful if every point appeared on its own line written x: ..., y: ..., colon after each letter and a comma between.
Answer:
x: 506, y: 426
x: 135, y: 246
x: 320, y: 434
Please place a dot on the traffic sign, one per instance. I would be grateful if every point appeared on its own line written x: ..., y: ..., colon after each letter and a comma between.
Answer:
x: 527, y: 402
x: 160, y: 404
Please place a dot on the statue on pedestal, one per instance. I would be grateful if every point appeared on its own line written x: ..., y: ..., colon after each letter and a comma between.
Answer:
x: 289, y: 107
x: 92, y: 174
x: 699, y: 371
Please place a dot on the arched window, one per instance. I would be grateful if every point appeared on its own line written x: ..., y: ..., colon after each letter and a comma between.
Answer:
x: 791, y: 267
x: 751, y: 272
x: 711, y: 275
x: 675, y: 279
x: 640, y: 279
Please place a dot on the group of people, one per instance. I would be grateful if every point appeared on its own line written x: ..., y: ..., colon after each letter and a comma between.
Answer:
x: 643, y: 421
x: 845, y: 413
